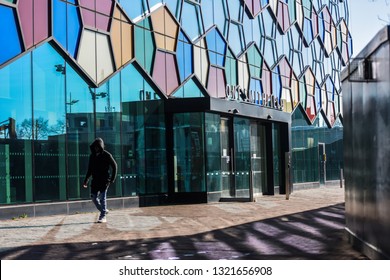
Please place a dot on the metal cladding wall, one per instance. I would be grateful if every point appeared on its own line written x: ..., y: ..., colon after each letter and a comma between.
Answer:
x: 367, y: 148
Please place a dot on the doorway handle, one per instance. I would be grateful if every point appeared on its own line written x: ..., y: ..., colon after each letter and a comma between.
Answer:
x: 232, y: 161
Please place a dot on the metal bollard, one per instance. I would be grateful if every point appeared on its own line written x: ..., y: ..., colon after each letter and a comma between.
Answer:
x: 341, y: 178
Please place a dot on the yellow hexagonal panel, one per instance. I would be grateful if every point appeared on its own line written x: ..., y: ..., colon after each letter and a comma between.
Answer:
x: 165, y: 29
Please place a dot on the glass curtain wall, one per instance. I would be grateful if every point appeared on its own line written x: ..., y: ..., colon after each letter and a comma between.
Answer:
x: 305, y: 148
x: 143, y: 136
x: 15, y: 132
x: 80, y: 125
x: 213, y: 152
x: 242, y: 156
x: 50, y: 116
x: 156, y: 178
x: 188, y: 148
x: 108, y: 124
x: 48, y: 125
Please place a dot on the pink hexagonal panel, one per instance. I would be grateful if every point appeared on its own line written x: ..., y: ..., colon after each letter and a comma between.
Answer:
x: 163, y: 62
x: 253, y: 6
x: 216, y: 85
x: 96, y: 13
x: 34, y: 19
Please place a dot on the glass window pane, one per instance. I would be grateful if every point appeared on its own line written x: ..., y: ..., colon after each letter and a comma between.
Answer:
x: 213, y: 152
x: 191, y: 20
x: 188, y: 152
x: 16, y: 132
x: 80, y: 131
x: 108, y: 124
x: 155, y: 148
x: 49, y: 125
x: 242, y: 156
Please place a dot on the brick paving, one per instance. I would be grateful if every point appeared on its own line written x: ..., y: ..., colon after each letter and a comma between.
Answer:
x: 310, y: 225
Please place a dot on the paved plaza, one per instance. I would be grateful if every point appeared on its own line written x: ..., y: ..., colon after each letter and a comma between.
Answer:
x: 310, y: 225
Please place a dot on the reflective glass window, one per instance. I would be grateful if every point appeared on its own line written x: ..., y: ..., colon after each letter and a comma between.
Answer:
x: 16, y: 132
x: 108, y: 124
x: 155, y: 148
x: 305, y: 150
x: 174, y: 6
x: 191, y: 20
x: 49, y: 125
x: 188, y: 148
x: 191, y: 88
x: 236, y: 38
x: 80, y: 126
x: 235, y: 10
x: 143, y: 135
x: 213, y: 152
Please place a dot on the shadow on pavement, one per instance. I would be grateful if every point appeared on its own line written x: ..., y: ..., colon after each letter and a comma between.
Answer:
x: 310, y: 235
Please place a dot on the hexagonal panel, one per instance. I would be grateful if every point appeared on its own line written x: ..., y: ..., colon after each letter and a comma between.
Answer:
x: 216, y: 46
x: 343, y: 42
x: 95, y: 55
x: 201, y: 60
x: 9, y: 33
x: 253, y: 6
x: 327, y: 30
x: 165, y: 29
x: 96, y: 13
x: 66, y: 30
x: 184, y: 56
x: 310, y: 27
x: 255, y: 61
x: 311, y: 91
x: 34, y: 20
x: 121, y: 38
x: 216, y: 82
x: 165, y: 72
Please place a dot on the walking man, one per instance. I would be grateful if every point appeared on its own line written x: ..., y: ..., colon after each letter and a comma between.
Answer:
x: 99, y: 165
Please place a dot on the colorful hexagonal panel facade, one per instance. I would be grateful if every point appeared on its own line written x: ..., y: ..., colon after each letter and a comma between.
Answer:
x: 275, y: 47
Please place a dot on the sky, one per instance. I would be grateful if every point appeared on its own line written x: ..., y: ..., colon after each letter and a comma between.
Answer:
x: 367, y: 17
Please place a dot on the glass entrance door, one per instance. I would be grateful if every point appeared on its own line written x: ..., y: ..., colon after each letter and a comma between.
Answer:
x: 258, y: 158
x: 227, y: 163
x: 235, y: 158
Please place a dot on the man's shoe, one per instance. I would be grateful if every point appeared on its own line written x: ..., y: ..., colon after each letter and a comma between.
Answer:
x: 102, y: 220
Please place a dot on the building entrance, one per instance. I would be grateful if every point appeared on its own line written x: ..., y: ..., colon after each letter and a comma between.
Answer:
x: 243, y: 158
x: 221, y: 157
